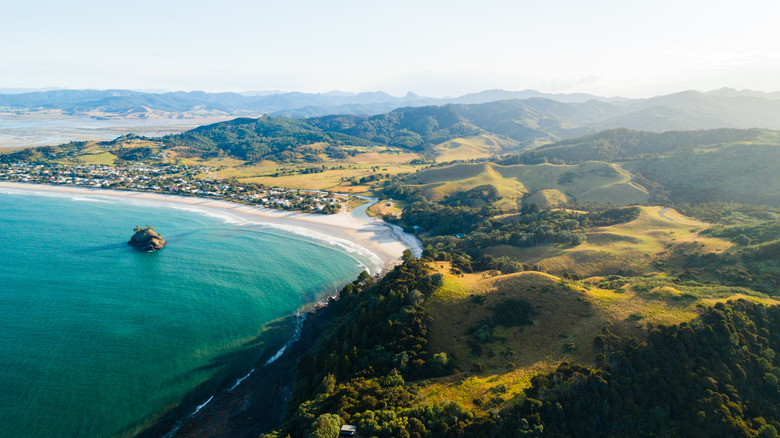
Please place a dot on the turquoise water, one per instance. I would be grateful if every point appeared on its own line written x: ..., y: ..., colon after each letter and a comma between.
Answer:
x: 99, y: 340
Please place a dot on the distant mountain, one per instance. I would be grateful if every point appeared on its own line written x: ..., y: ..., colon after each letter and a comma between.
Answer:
x: 495, y: 95
x: 731, y: 92
x: 529, y: 123
x: 117, y: 103
x: 529, y: 117
x: 539, y: 121
x: 699, y: 111
x: 26, y: 90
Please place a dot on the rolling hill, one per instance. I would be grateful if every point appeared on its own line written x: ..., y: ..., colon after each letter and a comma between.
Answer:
x: 687, y: 166
x: 585, y: 182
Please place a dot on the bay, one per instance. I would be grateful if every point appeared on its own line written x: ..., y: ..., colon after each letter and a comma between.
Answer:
x: 97, y: 339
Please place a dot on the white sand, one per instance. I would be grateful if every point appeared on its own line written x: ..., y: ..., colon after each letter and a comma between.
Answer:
x: 374, y: 239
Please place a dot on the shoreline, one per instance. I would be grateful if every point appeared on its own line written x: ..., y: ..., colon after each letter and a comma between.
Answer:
x: 372, y: 238
x: 257, y: 401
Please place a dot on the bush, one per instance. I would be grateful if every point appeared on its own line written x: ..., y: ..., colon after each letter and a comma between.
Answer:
x: 513, y: 313
x: 441, y: 364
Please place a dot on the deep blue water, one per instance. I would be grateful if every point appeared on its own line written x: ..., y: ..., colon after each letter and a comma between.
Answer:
x: 97, y: 339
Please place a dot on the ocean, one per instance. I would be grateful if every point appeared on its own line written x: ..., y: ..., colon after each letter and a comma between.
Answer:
x: 97, y: 339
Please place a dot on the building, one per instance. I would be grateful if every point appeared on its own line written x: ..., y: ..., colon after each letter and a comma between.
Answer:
x: 348, y: 430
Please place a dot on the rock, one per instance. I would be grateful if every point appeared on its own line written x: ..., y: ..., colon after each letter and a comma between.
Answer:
x: 146, y: 239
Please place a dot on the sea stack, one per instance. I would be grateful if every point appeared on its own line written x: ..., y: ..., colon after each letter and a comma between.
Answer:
x: 146, y: 239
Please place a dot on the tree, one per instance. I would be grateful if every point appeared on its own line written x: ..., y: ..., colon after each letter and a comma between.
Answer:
x: 742, y: 239
x: 441, y: 364
x: 326, y: 426
x: 767, y: 431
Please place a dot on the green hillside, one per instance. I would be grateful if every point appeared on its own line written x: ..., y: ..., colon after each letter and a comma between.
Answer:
x: 286, y: 139
x: 431, y: 351
x: 584, y: 182
x: 276, y: 138
x: 624, y: 145
x: 474, y: 147
x: 687, y: 166
x: 411, y: 128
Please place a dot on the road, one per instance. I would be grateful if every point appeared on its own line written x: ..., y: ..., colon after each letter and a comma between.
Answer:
x: 661, y: 213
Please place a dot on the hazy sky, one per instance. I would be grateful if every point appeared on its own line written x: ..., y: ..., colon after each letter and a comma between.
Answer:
x: 436, y: 48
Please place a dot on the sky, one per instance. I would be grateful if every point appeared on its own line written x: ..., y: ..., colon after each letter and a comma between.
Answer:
x: 433, y: 48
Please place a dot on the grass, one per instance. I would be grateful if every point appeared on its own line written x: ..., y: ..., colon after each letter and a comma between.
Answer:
x: 632, y: 247
x: 381, y: 208
x: 101, y: 158
x: 336, y: 177
x: 516, y: 353
x: 377, y: 158
x: 568, y: 314
x: 546, y: 198
x: 338, y: 174
x: 437, y: 183
x: 729, y: 172
x: 468, y: 148
x: 590, y: 181
x: 353, y: 203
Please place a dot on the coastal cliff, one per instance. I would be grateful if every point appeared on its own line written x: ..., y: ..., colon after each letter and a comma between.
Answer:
x: 146, y: 239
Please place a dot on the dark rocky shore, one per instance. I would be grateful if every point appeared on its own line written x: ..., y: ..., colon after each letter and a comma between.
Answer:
x: 258, y: 403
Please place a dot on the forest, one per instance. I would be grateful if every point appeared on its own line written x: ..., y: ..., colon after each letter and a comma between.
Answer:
x: 716, y: 375
x: 285, y: 139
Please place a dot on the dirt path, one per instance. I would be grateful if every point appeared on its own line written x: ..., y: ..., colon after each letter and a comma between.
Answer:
x: 661, y: 213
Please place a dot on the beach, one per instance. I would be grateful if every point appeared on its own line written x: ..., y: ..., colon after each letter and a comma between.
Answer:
x: 257, y: 401
x: 373, y: 238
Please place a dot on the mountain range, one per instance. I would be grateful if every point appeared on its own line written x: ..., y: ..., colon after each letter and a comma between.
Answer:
x: 529, y: 117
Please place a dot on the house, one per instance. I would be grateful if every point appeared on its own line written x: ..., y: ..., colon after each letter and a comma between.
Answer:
x: 348, y: 430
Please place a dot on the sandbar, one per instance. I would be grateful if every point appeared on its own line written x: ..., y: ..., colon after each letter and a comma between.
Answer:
x: 378, y: 241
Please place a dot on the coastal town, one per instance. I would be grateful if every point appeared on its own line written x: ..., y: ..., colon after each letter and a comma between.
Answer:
x: 176, y: 179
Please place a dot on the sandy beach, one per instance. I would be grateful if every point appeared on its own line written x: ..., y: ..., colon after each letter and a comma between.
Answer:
x: 257, y: 402
x: 371, y: 238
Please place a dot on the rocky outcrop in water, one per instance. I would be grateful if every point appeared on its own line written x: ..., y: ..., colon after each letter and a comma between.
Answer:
x: 146, y: 239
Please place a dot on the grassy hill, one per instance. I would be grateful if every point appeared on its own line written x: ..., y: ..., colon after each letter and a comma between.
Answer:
x: 627, y: 145
x: 473, y: 147
x: 567, y: 317
x: 500, y: 351
x: 497, y: 362
x: 633, y: 247
x: 584, y: 182
x: 690, y: 166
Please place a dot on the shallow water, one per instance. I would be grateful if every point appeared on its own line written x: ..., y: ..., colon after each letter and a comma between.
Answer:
x: 23, y: 131
x: 99, y: 340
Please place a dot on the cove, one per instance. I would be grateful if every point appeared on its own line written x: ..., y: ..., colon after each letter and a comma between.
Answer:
x: 99, y: 339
